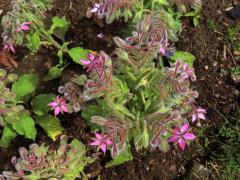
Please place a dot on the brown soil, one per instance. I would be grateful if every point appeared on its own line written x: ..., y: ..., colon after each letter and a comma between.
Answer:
x: 215, y: 87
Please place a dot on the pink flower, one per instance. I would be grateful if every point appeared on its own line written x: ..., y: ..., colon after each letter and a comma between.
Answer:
x: 181, y: 135
x: 162, y: 51
x: 188, y: 72
x: 89, y: 64
x: 95, y: 8
x: 94, y: 62
x: 101, y: 141
x: 8, y: 46
x: 100, y: 35
x: 199, y: 114
x: 58, y: 105
x: 24, y: 27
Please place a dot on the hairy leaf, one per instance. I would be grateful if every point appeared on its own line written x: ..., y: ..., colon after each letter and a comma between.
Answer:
x: 25, y: 126
x: 78, y: 53
x: 50, y: 124
x: 7, y: 135
x: 25, y: 86
x: 40, y: 103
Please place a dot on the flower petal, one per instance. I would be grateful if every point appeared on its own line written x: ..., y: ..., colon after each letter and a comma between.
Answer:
x: 56, y: 111
x: 95, y: 143
x: 64, y: 108
x: 201, y: 110
x: 103, y: 147
x: 182, y: 143
x: 108, y: 142
x: 173, y: 138
x: 53, y: 104
x: 25, y: 27
x: 91, y: 56
x: 194, y: 117
x: 184, y: 128
x: 189, y: 136
x: 201, y: 116
x: 98, y: 136
x: 12, y: 48
x: 85, y: 62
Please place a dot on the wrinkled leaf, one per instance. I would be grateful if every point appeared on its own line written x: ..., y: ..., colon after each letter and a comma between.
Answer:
x: 50, y: 124
x: 25, y: 86
x: 25, y: 126
x: 40, y: 103
x: 7, y: 135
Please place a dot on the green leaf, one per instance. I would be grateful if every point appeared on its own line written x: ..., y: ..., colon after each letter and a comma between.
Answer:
x: 78, y: 53
x: 50, y: 124
x: 25, y: 126
x: 59, y: 27
x: 40, y: 103
x: 185, y: 56
x: 34, y: 42
x: 195, y: 21
x: 126, y: 155
x: 25, y: 86
x: 53, y: 73
x: 7, y: 135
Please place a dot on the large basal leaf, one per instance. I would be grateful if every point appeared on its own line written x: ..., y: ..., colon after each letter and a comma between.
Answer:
x: 185, y: 56
x: 78, y: 53
x: 25, y: 86
x: 7, y: 135
x: 40, y: 103
x: 50, y: 124
x: 25, y: 126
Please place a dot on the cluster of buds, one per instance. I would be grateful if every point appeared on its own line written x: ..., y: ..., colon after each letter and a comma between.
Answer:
x: 114, y: 137
x: 59, y: 105
x: 111, y: 9
x: 100, y: 70
x: 41, y: 162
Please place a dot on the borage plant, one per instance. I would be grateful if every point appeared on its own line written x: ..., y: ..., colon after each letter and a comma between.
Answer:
x: 145, y: 101
x: 41, y: 162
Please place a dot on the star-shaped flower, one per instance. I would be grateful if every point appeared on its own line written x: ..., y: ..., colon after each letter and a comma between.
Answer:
x: 199, y: 114
x: 8, y: 46
x: 101, y: 141
x: 181, y: 136
x: 58, y: 105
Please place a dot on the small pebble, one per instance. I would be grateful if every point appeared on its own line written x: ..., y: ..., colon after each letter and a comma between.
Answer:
x: 217, y: 95
x: 215, y: 63
x: 1, y: 11
x: 206, y: 67
x: 236, y: 92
